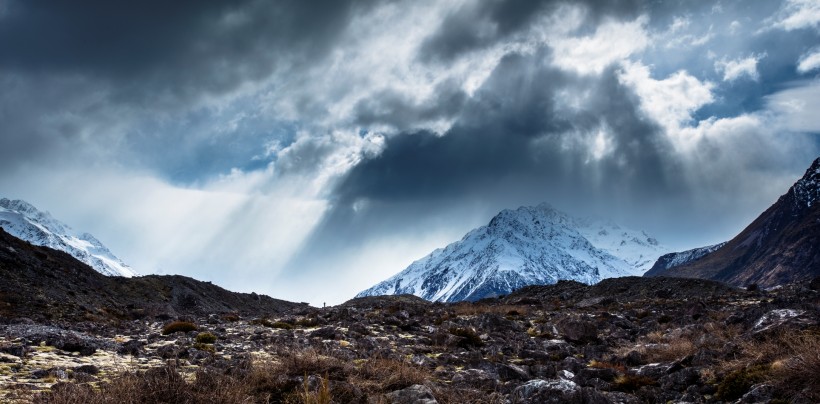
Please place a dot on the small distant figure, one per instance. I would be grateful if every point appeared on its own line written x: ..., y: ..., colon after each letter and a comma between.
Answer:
x: 324, y: 305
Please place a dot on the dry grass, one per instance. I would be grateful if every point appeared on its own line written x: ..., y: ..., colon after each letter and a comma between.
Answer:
x: 607, y: 365
x: 630, y: 383
x: 792, y: 361
x: 378, y: 375
x: 666, y: 346
x: 321, y: 395
x: 797, y: 374
x: 293, y: 377
x: 789, y: 361
x: 472, y: 309
x: 157, y: 385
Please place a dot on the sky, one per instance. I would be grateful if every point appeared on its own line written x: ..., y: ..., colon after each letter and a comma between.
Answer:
x: 310, y: 149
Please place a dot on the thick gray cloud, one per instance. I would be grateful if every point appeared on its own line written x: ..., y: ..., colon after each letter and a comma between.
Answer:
x: 481, y: 24
x: 155, y: 48
x: 399, y: 111
x: 130, y: 79
x: 513, y: 141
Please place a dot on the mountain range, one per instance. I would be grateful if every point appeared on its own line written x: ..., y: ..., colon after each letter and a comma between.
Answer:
x: 781, y: 246
x: 527, y: 246
x: 24, y: 221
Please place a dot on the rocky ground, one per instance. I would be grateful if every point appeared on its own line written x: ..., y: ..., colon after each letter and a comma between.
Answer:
x: 623, y: 340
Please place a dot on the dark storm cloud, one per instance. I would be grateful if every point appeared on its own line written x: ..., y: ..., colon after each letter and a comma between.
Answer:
x: 401, y: 112
x: 515, y: 126
x: 86, y: 78
x: 179, y: 48
x: 481, y: 24
x: 514, y: 141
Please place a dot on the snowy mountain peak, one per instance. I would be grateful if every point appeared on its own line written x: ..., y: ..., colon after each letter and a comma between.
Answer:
x: 807, y: 189
x: 526, y: 246
x: 24, y: 221
x: 31, y: 213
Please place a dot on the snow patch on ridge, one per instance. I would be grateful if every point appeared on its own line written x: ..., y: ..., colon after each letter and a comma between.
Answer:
x: 24, y: 221
x: 807, y: 189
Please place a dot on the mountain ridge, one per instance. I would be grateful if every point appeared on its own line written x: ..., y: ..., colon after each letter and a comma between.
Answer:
x: 780, y: 246
x: 525, y: 246
x: 675, y: 259
x: 24, y: 221
x: 43, y: 283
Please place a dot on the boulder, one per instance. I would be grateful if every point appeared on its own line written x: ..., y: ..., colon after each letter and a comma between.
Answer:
x: 578, y: 330
x: 415, y: 394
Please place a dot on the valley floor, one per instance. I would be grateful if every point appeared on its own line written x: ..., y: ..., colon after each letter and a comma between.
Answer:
x: 625, y: 340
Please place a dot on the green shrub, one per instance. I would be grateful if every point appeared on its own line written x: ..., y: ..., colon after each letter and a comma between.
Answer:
x: 308, y: 322
x: 205, y: 338
x: 178, y: 326
x: 205, y: 347
x: 737, y: 383
x: 281, y: 325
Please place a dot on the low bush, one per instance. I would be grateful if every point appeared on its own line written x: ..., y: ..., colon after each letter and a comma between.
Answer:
x: 470, y: 337
x: 281, y: 325
x: 178, y: 326
x: 205, y: 347
x: 205, y: 338
x: 307, y: 322
x: 737, y: 383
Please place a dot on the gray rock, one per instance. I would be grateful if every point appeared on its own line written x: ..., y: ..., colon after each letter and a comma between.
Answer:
x: 475, y: 378
x: 779, y: 318
x: 578, y: 330
x: 325, y: 333
x: 759, y: 393
x: 555, y: 391
x: 415, y: 394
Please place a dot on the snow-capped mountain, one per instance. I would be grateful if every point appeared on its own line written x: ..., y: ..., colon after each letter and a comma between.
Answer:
x: 675, y: 259
x: 637, y: 248
x: 526, y: 246
x: 24, y: 221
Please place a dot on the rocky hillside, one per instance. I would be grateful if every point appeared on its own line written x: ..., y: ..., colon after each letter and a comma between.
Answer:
x: 782, y: 245
x: 528, y: 246
x: 625, y: 340
x: 41, y: 283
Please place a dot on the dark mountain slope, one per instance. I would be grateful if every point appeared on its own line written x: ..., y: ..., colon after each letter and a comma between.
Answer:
x: 667, y: 261
x: 42, y: 283
x: 782, y: 245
